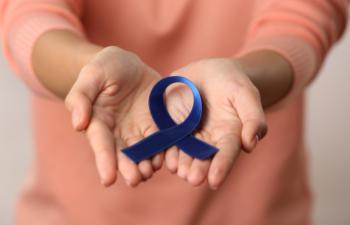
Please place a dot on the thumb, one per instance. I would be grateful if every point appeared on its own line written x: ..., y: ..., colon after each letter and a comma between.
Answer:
x: 251, y: 113
x: 82, y: 95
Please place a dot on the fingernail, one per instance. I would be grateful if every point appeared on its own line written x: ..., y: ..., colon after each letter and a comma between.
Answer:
x: 261, y: 133
x: 258, y: 136
x: 253, y: 142
x: 256, y: 140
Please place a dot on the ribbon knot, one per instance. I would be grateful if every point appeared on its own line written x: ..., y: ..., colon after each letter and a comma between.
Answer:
x: 170, y: 133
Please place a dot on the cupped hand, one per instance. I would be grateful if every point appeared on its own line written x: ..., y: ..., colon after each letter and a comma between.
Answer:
x: 233, y: 118
x: 109, y: 101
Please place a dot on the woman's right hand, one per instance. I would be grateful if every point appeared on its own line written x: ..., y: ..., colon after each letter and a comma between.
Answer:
x: 109, y: 100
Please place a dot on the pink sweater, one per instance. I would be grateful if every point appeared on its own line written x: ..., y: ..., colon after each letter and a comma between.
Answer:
x: 268, y: 187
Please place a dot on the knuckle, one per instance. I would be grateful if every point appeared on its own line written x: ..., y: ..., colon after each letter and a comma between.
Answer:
x: 112, y: 48
x: 148, y: 130
x: 131, y: 55
x: 255, y: 91
x: 90, y: 69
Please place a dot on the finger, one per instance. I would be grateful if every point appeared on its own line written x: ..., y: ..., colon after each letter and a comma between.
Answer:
x: 129, y: 170
x: 146, y: 169
x: 251, y: 114
x: 172, y: 159
x: 150, y: 166
x: 102, y: 143
x: 157, y: 161
x: 80, y: 109
x: 198, y: 171
x: 81, y: 96
x: 229, y: 148
x: 135, y: 173
x: 184, y: 164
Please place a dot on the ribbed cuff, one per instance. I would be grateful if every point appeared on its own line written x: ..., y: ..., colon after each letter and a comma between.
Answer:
x: 302, y: 57
x: 20, y: 36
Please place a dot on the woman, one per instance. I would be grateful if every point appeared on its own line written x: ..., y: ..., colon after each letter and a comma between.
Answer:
x: 103, y: 57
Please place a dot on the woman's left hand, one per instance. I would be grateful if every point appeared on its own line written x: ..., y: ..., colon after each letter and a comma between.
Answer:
x: 233, y: 118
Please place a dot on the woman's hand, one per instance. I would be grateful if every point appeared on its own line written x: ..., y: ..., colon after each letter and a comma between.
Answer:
x: 110, y: 101
x: 233, y: 118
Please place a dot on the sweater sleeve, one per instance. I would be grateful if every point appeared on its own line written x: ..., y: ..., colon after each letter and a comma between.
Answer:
x: 23, y: 21
x: 302, y: 31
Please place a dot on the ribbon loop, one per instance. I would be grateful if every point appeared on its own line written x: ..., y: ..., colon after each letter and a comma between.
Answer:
x: 170, y: 133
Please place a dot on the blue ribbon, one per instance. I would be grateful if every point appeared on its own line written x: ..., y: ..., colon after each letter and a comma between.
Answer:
x: 170, y: 133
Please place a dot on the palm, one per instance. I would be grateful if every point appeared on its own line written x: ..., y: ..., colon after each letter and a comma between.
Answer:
x: 219, y: 117
x: 123, y: 118
x: 126, y: 115
x: 109, y: 101
x: 218, y: 81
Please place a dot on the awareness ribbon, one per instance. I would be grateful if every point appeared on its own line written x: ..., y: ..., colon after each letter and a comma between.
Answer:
x: 170, y: 133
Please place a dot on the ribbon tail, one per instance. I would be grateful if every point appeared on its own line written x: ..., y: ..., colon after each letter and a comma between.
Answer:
x: 196, y: 148
x: 154, y: 144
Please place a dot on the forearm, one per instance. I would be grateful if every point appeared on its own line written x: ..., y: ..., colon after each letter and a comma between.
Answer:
x: 57, y: 58
x: 271, y: 74
x: 59, y: 55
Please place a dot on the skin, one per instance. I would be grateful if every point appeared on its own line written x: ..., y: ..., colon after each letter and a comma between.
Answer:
x: 107, y: 89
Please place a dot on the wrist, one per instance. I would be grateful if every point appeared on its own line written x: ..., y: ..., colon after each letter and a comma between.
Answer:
x: 83, y: 54
x: 58, y: 57
x: 269, y: 72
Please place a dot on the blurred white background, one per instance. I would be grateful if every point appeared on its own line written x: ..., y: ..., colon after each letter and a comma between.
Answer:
x: 327, y: 125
